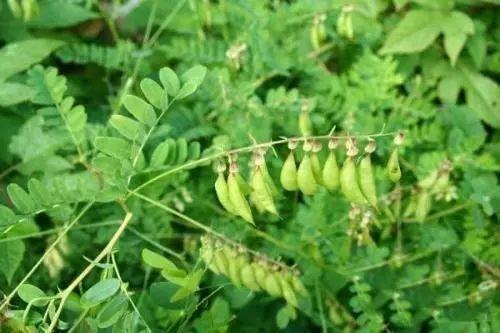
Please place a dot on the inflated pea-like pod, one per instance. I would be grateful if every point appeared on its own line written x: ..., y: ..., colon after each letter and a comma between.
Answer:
x: 220, y: 260
x: 367, y: 181
x: 261, y: 191
x: 287, y: 290
x: 244, y: 186
x: 248, y: 277
x: 240, y: 203
x: 272, y: 284
x: 423, y: 205
x: 393, y: 169
x: 260, y: 271
x: 288, y: 175
x: 222, y: 191
x: 305, y: 124
x: 297, y: 285
x: 305, y: 176
x: 331, y: 172
x: 236, y: 262
x: 349, y: 182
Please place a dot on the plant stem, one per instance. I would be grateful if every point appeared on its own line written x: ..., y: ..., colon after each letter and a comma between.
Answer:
x: 7, y: 299
x: 107, y: 249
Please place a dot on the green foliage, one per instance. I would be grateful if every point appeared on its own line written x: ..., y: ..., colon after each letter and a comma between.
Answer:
x: 118, y: 117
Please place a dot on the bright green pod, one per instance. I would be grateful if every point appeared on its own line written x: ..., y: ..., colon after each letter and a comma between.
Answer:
x: 423, y: 205
x: 256, y: 202
x: 272, y: 284
x: 240, y: 203
x: 305, y: 124
x: 221, y: 262
x: 367, y: 181
x: 262, y: 193
x: 248, y: 277
x: 288, y: 176
x: 349, y: 183
x: 393, y: 169
x: 287, y: 290
x: 235, y: 262
x: 305, y: 176
x: 207, y: 254
x: 244, y: 186
x: 331, y: 172
x: 316, y: 167
x: 260, y: 273
x: 222, y: 191
x: 297, y: 285
x: 269, y: 180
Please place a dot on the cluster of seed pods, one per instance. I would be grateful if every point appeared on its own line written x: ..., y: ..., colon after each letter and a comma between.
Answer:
x: 233, y: 191
x: 254, y: 272
x: 355, y: 180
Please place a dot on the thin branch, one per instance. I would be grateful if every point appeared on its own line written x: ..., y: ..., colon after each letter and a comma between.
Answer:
x: 6, y: 301
x: 107, y: 249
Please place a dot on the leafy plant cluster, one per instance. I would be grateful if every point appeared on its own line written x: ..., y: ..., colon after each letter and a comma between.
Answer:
x: 138, y: 138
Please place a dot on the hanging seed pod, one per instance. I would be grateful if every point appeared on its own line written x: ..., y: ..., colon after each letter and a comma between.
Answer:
x: 316, y: 164
x: 305, y: 174
x: 261, y: 192
x: 393, y: 169
x: 349, y: 183
x: 269, y: 181
x: 260, y: 271
x: 244, y: 186
x: 330, y: 172
x: 240, y: 203
x: 236, y: 262
x: 248, y: 277
x: 297, y: 284
x: 272, y: 284
x: 365, y: 175
x: 423, y: 205
x: 207, y: 254
x: 222, y: 191
x: 220, y: 260
x: 305, y: 124
x: 288, y: 175
x: 287, y: 290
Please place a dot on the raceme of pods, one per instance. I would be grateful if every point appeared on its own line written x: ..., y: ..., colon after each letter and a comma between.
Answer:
x: 256, y: 274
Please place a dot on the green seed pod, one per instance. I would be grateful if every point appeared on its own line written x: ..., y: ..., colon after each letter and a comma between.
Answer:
x: 305, y: 176
x: 222, y: 191
x: 288, y: 176
x: 15, y: 8
x: 207, y: 254
x: 248, y: 277
x: 240, y: 203
x: 256, y: 202
x: 423, y: 205
x: 260, y: 272
x: 367, y: 181
x: 272, y: 284
x: 305, y: 124
x: 287, y: 290
x: 331, y: 172
x: 221, y: 262
x: 244, y: 186
x: 262, y: 192
x: 269, y: 180
x: 297, y: 285
x: 236, y: 262
x: 349, y: 183
x: 316, y: 167
x: 393, y: 169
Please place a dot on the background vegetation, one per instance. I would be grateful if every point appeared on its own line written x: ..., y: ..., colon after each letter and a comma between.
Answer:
x: 84, y: 187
